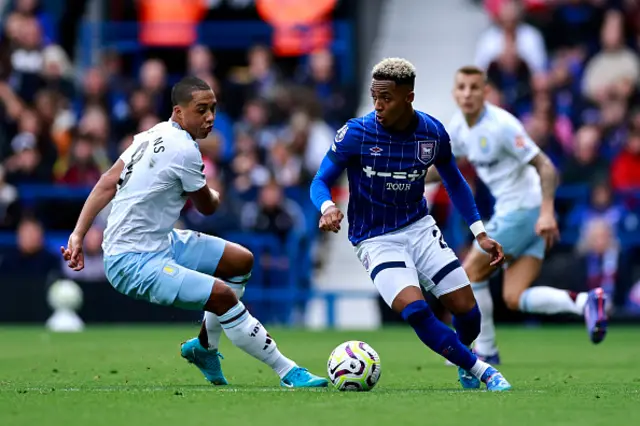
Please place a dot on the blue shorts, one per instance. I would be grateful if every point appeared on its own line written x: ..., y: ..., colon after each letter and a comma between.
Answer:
x: 181, y: 275
x: 516, y: 231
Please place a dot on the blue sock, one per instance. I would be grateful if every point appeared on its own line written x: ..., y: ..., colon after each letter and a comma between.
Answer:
x: 467, y: 325
x: 437, y: 336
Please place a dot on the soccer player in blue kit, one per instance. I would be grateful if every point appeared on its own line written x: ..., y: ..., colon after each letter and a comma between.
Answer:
x: 386, y: 154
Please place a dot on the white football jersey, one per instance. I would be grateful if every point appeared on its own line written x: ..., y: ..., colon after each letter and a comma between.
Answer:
x: 161, y: 165
x: 500, y: 150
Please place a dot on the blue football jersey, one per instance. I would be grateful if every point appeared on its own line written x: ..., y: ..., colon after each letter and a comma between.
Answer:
x: 386, y: 171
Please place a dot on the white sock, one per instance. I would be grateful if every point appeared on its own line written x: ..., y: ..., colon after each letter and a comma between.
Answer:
x: 549, y: 300
x: 486, y: 342
x: 212, y: 324
x: 479, y: 368
x: 248, y: 334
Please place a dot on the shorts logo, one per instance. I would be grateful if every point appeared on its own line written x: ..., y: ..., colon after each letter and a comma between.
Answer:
x: 366, y: 261
x: 170, y: 270
x: 426, y: 151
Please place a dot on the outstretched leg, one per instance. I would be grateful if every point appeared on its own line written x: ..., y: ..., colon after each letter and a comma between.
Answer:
x: 248, y: 334
x: 519, y: 295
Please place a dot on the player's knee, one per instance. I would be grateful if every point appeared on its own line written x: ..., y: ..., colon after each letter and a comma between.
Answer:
x: 222, y: 299
x: 245, y: 262
x: 512, y: 299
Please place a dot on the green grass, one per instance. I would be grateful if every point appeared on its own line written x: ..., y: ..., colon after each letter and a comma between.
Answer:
x: 135, y: 376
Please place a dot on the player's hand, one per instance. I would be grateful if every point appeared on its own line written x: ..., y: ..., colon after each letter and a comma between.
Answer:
x: 492, y: 247
x: 547, y: 228
x: 73, y: 252
x: 330, y: 220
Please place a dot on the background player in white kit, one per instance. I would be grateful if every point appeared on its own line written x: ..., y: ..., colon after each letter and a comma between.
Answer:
x: 145, y: 258
x: 522, y: 180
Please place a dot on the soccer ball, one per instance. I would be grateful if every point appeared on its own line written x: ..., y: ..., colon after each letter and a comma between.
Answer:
x: 354, y: 366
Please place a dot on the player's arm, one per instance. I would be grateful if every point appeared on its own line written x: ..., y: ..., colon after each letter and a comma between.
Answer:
x: 548, y: 181
x: 462, y: 198
x: 194, y: 182
x: 332, y: 166
x: 100, y: 196
x: 518, y: 143
x: 433, y: 176
x: 205, y: 199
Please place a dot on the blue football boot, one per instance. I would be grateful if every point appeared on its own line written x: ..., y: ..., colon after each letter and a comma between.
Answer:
x: 595, y: 315
x: 468, y: 380
x: 495, y: 381
x: 207, y: 361
x: 300, y: 377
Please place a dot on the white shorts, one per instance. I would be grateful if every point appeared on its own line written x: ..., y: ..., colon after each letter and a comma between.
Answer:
x: 412, y: 256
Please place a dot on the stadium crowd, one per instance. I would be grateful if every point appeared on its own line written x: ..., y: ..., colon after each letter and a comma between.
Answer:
x: 62, y: 127
x: 569, y: 69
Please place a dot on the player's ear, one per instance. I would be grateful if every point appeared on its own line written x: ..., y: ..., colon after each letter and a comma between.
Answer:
x: 411, y: 96
x: 177, y: 110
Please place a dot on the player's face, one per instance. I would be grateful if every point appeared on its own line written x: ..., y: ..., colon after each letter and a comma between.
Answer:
x: 198, y: 116
x: 390, y: 101
x: 469, y: 92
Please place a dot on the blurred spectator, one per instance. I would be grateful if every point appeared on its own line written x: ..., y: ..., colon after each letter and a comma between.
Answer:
x: 586, y: 166
x: 528, y: 40
x: 539, y: 127
x: 625, y: 170
x: 512, y: 76
x: 27, y: 164
x: 93, y: 262
x: 320, y: 76
x: 57, y: 72
x: 615, y: 70
x: 600, y: 260
x: 83, y: 169
x: 254, y: 121
x: 27, y: 59
x: 273, y: 213
x: 258, y: 80
x: 30, y: 260
x: 153, y: 80
x: 200, y: 60
x: 602, y: 206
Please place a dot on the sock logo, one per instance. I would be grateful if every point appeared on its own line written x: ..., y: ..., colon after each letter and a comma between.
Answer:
x: 256, y: 329
x: 267, y: 342
x: 446, y: 351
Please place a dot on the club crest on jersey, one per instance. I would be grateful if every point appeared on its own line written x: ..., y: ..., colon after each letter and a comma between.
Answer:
x: 376, y: 151
x: 484, y: 144
x: 426, y: 151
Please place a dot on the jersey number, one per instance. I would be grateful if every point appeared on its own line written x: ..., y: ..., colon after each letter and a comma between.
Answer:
x: 137, y: 156
x: 443, y: 244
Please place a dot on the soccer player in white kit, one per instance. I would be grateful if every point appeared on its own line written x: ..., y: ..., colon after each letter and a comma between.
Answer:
x: 145, y: 258
x: 522, y: 180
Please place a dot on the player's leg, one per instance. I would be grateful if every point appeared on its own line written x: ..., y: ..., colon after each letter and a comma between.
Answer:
x: 216, y: 257
x: 518, y: 295
x: 203, y: 292
x: 393, y: 273
x: 478, y: 269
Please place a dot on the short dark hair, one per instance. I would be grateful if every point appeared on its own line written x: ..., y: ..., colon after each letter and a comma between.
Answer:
x: 472, y: 70
x: 182, y: 91
x: 398, y: 70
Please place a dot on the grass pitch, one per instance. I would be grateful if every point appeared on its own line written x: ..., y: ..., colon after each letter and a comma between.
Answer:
x: 135, y: 376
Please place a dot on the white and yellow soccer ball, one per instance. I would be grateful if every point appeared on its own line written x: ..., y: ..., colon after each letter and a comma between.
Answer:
x: 354, y: 366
